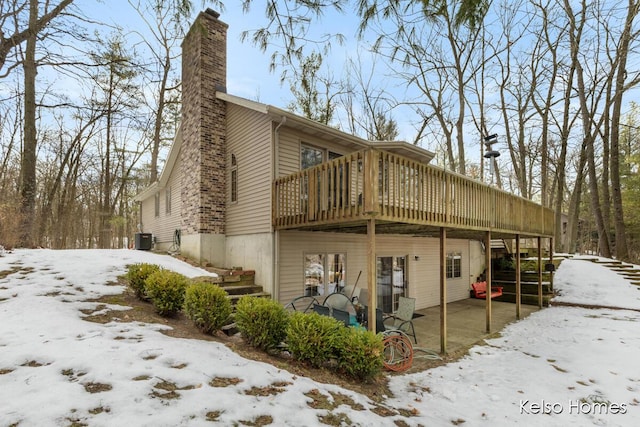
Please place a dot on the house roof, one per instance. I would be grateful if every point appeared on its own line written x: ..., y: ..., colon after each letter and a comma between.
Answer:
x: 327, y: 132
x: 295, y: 121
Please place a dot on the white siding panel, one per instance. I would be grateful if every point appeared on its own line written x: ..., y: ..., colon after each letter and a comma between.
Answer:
x: 289, y: 152
x: 424, y: 283
x: 289, y: 149
x: 249, y: 139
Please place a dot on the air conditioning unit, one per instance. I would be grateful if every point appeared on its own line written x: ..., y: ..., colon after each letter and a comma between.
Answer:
x: 143, y: 241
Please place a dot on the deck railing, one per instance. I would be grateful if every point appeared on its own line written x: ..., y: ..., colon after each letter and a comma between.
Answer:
x: 397, y: 189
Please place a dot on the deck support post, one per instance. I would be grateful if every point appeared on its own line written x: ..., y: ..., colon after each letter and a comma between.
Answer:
x: 518, y: 283
x: 487, y: 253
x: 443, y: 290
x: 371, y: 273
x: 539, y: 272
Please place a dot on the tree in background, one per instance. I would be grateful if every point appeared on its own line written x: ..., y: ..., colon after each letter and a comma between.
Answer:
x: 313, y: 93
x: 166, y: 23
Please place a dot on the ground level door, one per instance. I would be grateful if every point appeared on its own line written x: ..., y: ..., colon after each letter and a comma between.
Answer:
x: 392, y: 281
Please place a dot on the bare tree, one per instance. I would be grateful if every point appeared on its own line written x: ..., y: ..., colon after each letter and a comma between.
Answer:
x: 368, y: 108
x: 314, y: 93
x: 118, y: 95
x: 623, y: 81
x: 165, y: 22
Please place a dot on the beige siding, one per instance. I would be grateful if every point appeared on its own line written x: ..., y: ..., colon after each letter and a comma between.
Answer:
x: 164, y: 225
x: 249, y: 139
x: 289, y: 152
x: 423, y: 273
x: 289, y: 149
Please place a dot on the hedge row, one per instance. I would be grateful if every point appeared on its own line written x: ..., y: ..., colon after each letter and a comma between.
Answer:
x: 264, y: 323
x: 311, y: 338
x: 206, y: 304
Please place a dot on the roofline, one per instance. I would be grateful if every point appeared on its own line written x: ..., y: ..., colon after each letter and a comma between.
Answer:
x: 277, y: 113
x: 161, y: 182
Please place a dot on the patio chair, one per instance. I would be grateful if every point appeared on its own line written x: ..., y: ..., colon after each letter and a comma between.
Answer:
x: 322, y: 309
x: 341, y: 315
x: 339, y: 301
x: 363, y: 296
x: 304, y: 304
x: 402, y: 319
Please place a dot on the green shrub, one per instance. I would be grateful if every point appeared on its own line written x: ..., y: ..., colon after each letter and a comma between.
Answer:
x: 207, y: 305
x: 137, y: 274
x: 166, y: 290
x: 314, y: 338
x: 262, y: 322
x: 360, y: 353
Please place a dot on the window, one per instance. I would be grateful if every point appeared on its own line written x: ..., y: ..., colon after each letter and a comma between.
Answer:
x: 324, y: 273
x: 167, y: 201
x: 454, y: 265
x: 310, y: 156
x: 157, y: 204
x: 234, y: 179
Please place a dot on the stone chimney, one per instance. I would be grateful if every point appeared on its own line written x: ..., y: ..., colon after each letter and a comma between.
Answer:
x: 203, y: 152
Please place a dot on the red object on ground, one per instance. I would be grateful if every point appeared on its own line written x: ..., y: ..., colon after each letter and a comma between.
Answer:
x: 480, y: 290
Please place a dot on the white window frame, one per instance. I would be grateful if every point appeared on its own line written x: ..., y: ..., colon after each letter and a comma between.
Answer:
x: 454, y: 265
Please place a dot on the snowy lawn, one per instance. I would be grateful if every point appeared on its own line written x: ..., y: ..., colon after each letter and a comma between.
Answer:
x: 561, y: 366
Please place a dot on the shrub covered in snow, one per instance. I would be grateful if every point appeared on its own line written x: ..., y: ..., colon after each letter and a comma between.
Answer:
x: 207, y: 305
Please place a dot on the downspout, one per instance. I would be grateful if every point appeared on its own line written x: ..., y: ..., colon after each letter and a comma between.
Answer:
x: 275, y: 248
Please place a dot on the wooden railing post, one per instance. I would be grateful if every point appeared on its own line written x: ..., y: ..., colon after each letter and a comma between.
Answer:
x: 371, y: 184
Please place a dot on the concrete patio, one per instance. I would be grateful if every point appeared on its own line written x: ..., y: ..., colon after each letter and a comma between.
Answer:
x: 466, y: 323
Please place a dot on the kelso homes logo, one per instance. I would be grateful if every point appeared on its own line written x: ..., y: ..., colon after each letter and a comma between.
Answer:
x: 587, y: 406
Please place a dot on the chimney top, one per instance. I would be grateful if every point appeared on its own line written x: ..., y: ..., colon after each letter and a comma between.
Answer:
x: 212, y: 12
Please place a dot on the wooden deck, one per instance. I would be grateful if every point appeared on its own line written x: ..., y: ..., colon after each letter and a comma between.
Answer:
x: 404, y: 196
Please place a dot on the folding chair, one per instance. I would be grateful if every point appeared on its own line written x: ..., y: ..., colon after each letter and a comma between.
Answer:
x: 402, y: 319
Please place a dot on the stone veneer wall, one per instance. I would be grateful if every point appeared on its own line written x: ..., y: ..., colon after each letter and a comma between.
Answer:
x: 203, y: 153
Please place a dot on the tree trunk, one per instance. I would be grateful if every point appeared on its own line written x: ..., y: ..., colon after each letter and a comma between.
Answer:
x: 29, y: 146
x: 623, y: 52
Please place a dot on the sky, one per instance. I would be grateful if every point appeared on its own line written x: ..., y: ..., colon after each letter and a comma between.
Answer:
x: 561, y: 366
x: 248, y: 67
x: 248, y: 73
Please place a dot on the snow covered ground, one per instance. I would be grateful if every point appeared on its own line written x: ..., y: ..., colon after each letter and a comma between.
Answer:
x: 561, y: 366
